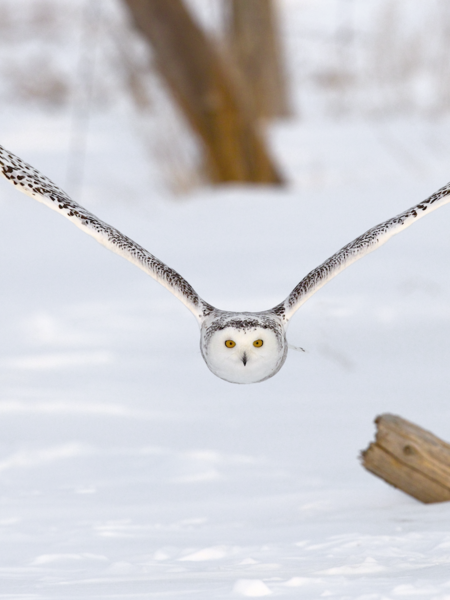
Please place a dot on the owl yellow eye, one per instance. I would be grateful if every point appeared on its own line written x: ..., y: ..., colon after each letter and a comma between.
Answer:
x: 230, y: 344
x: 258, y: 343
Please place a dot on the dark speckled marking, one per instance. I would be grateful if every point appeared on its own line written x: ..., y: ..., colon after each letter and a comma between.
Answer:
x: 30, y: 181
x: 370, y: 240
x: 243, y: 322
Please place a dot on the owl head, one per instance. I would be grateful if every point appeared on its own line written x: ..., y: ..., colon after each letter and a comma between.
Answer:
x: 243, y: 347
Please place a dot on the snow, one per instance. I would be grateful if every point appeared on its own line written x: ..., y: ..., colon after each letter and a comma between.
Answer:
x: 128, y: 470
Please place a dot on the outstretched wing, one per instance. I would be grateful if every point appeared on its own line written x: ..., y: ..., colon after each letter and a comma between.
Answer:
x: 29, y: 181
x: 369, y: 241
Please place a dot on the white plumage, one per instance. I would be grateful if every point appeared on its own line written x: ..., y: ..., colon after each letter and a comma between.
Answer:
x: 240, y: 347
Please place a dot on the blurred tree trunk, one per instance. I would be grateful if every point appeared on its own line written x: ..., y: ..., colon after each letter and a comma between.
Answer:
x: 203, y: 89
x: 254, y: 44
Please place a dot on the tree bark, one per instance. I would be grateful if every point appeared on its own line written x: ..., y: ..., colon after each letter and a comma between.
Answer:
x: 409, y: 458
x: 203, y: 89
x: 256, y: 49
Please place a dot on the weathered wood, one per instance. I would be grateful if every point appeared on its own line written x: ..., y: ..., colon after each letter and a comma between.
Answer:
x: 409, y: 458
x: 255, y: 46
x: 205, y: 92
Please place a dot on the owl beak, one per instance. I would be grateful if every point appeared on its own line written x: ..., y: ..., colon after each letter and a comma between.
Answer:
x: 244, y: 358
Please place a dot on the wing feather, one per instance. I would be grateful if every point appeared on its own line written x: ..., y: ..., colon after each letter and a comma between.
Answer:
x: 362, y: 245
x: 29, y: 181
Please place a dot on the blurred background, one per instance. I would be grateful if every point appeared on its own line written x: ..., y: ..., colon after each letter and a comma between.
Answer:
x: 267, y: 61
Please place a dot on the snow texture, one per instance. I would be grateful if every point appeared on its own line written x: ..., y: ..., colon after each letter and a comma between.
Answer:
x: 128, y: 470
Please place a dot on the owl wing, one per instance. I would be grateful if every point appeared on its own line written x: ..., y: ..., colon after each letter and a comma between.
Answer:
x: 29, y: 181
x: 364, y: 244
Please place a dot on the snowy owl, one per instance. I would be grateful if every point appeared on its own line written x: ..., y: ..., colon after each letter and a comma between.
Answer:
x: 240, y: 347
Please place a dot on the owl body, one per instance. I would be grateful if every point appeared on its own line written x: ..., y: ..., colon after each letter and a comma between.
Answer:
x: 243, y: 347
x: 239, y: 347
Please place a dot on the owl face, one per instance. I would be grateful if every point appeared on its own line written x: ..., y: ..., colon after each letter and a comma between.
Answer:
x: 244, y: 354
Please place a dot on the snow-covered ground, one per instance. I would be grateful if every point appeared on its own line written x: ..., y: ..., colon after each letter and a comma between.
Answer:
x: 128, y: 470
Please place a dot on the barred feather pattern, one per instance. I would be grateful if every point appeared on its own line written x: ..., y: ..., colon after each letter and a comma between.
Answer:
x: 245, y: 321
x: 362, y: 245
x: 31, y: 182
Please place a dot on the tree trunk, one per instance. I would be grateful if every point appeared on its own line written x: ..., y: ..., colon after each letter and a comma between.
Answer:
x: 254, y: 44
x: 204, y: 91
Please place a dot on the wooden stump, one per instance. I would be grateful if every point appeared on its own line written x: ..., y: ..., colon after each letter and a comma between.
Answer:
x: 409, y: 458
